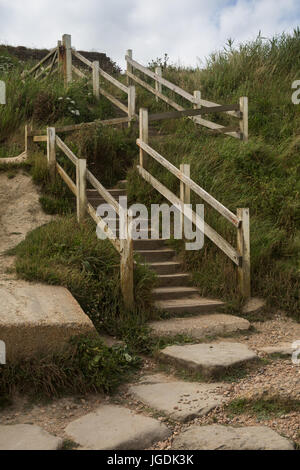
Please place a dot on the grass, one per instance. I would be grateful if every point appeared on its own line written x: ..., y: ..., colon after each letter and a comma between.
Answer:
x: 263, y: 408
x: 86, y: 365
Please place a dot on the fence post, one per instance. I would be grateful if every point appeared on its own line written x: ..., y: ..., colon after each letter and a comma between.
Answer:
x: 51, y: 153
x: 126, y: 264
x: 131, y: 102
x: 96, y: 82
x: 244, y: 118
x: 60, y: 57
x: 144, y: 134
x: 185, y: 191
x: 67, y: 63
x: 243, y: 245
x: 158, y: 85
x: 129, y: 67
x: 81, y: 189
x: 197, y: 96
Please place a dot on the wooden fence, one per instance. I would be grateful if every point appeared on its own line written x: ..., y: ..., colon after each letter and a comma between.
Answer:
x: 79, y: 188
x: 241, y: 220
x: 239, y: 111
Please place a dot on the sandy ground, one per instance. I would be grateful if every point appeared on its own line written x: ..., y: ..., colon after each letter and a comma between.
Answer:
x: 20, y: 213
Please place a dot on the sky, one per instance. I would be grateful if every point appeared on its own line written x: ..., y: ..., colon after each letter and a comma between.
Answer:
x: 187, y: 30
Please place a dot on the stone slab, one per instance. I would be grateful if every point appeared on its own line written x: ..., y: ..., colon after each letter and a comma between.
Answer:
x: 253, y: 305
x: 201, y: 326
x: 179, y: 400
x: 113, y: 427
x: 37, y: 318
x: 217, y: 437
x: 27, y: 437
x: 285, y: 349
x: 208, y: 358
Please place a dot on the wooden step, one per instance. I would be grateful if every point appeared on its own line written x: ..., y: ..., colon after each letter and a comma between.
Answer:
x: 150, y: 244
x: 170, y: 293
x: 173, y: 280
x: 156, y: 256
x: 193, y: 305
x: 165, y: 267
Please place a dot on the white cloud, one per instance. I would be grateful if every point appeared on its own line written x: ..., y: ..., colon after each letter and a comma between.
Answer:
x: 184, y: 30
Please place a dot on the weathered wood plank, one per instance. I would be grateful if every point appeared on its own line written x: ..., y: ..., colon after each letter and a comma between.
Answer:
x: 191, y: 184
x: 81, y: 189
x: 78, y: 72
x: 113, y: 80
x: 114, y: 100
x: 103, y: 192
x: 40, y: 62
x: 161, y: 80
x: 40, y: 138
x: 96, y: 81
x: 69, y: 182
x: 82, y: 58
x: 208, y: 231
x: 51, y: 151
x: 191, y: 112
x: 66, y: 150
x: 67, y: 64
x: 243, y: 244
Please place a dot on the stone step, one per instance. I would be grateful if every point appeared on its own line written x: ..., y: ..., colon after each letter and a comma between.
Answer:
x: 166, y: 267
x: 210, y: 359
x: 216, y: 437
x: 156, y: 256
x: 179, y: 400
x: 200, y: 327
x: 192, y: 305
x: 166, y: 293
x: 27, y: 437
x: 173, y: 280
x: 113, y: 427
x: 94, y: 194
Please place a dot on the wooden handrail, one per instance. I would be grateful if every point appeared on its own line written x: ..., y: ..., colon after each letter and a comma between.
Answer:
x: 190, y: 183
x: 103, y: 192
x: 52, y: 51
x: 112, y: 80
x: 82, y: 58
x: 66, y: 150
x: 193, y: 112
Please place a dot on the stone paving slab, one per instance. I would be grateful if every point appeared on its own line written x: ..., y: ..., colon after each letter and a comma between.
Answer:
x: 27, y: 437
x: 208, y: 358
x: 37, y: 318
x: 218, y: 437
x: 179, y: 400
x: 201, y: 326
x: 113, y: 427
x: 285, y: 349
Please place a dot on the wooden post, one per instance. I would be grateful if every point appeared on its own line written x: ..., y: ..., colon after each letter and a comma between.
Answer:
x: 185, y: 191
x: 131, y: 102
x: 28, y: 140
x: 67, y: 65
x: 244, y: 118
x: 129, y: 67
x: 96, y: 82
x: 144, y: 134
x: 126, y: 264
x: 243, y: 246
x: 81, y: 189
x: 60, y: 57
x: 197, y: 96
x: 158, y: 85
x: 51, y: 153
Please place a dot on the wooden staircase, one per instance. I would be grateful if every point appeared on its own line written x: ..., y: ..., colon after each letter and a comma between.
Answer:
x: 173, y: 294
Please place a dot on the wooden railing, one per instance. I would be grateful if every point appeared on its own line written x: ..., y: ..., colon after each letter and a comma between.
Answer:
x: 124, y: 246
x: 239, y: 111
x: 240, y: 255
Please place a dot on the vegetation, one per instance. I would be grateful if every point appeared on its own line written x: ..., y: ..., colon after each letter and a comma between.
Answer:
x: 263, y: 408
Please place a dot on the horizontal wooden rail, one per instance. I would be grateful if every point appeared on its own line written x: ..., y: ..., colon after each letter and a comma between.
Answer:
x: 82, y: 58
x: 66, y: 150
x: 113, y: 80
x: 104, y: 227
x: 66, y: 178
x: 40, y: 138
x: 192, y: 112
x: 103, y: 192
x: 208, y: 231
x: 190, y: 183
x: 161, y: 80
